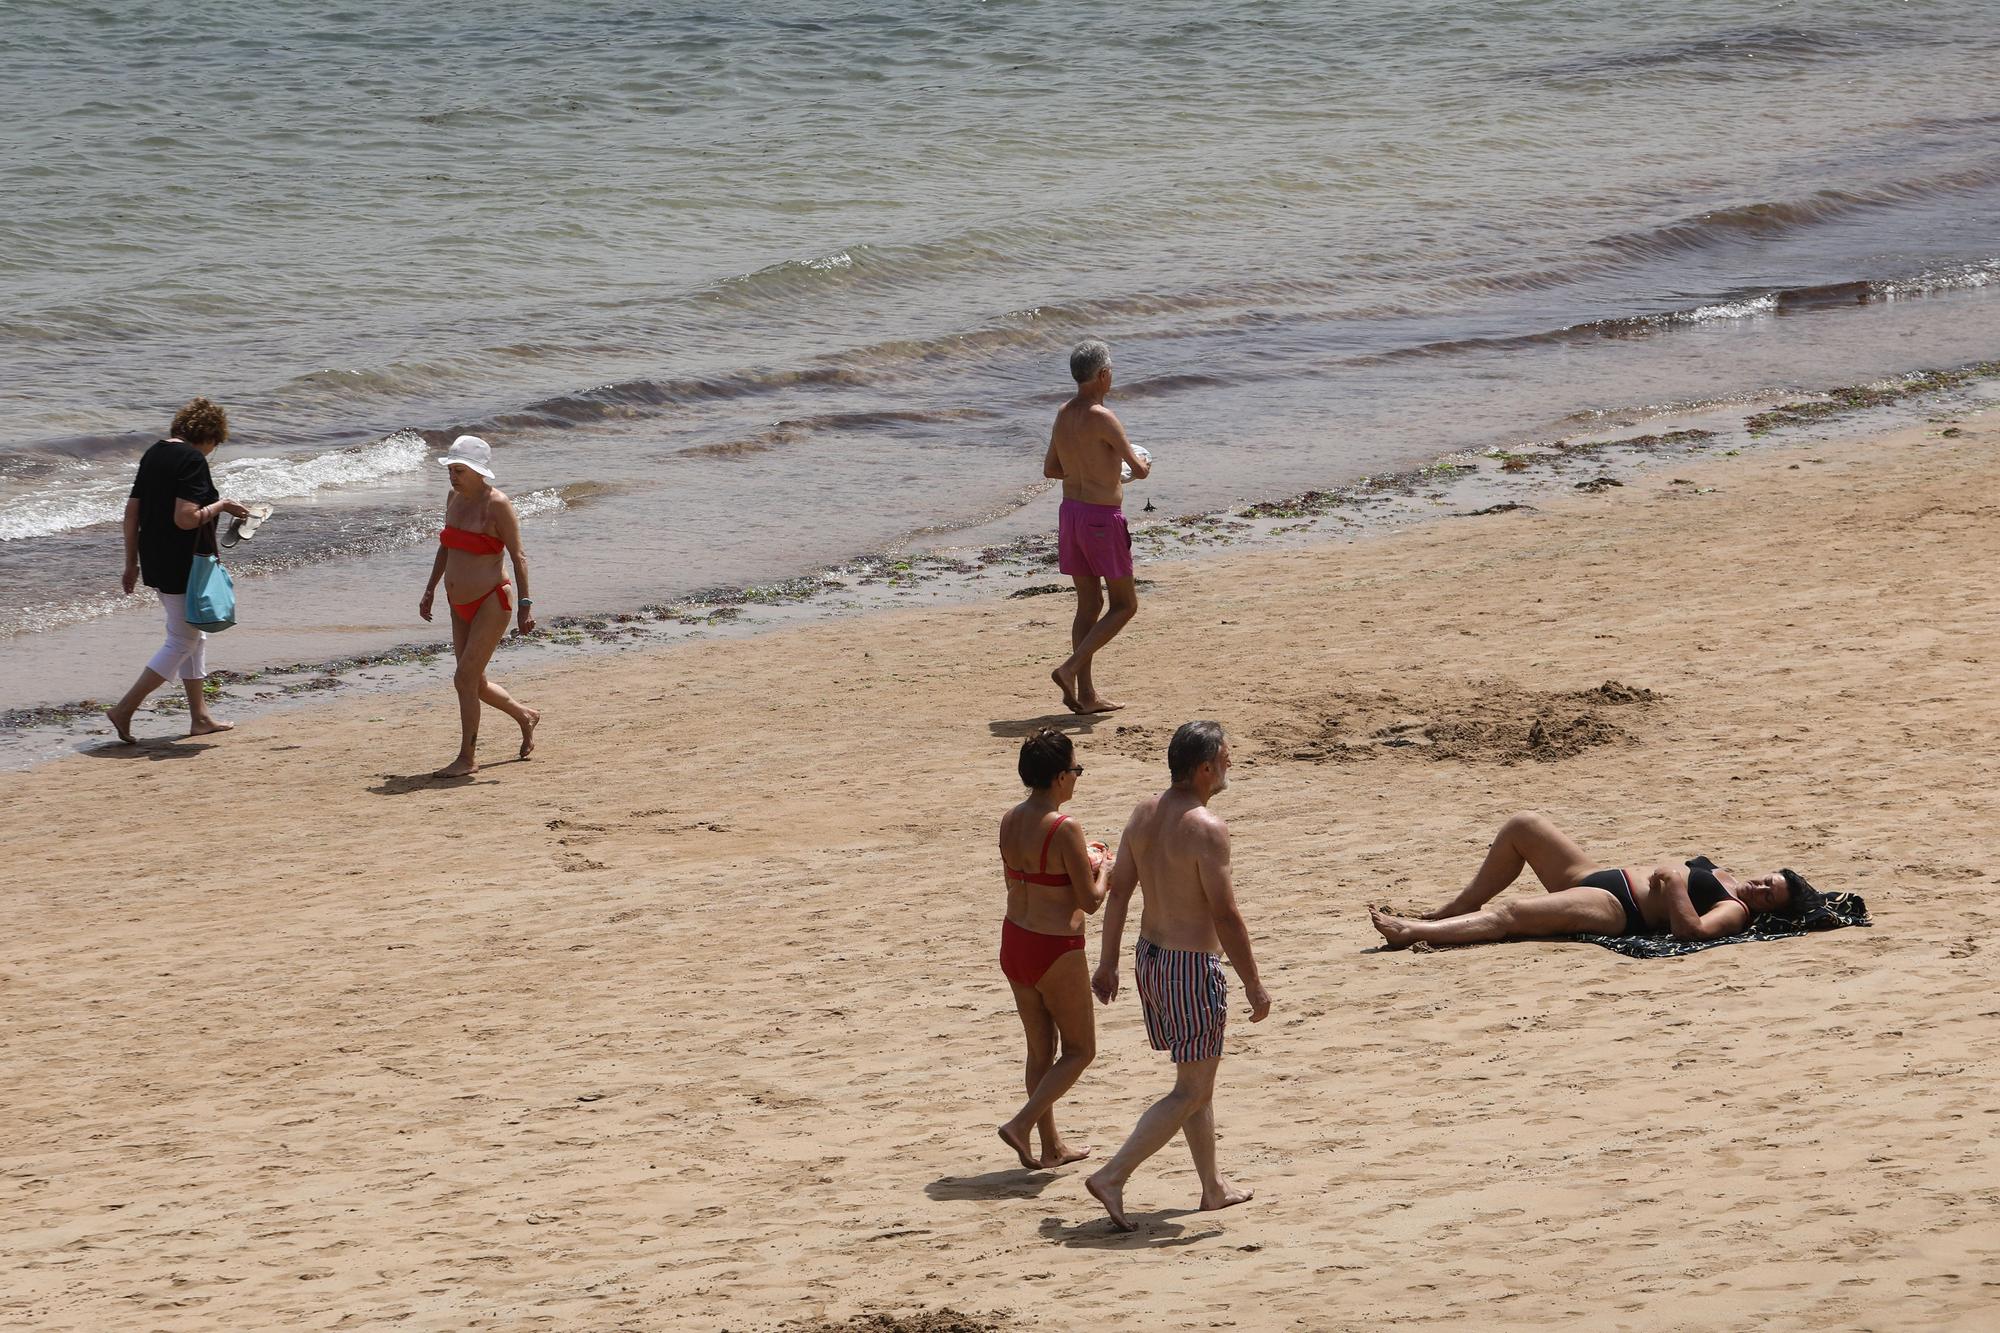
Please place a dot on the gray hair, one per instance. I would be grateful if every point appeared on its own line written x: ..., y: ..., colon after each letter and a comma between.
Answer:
x: 1192, y: 746
x: 1087, y: 358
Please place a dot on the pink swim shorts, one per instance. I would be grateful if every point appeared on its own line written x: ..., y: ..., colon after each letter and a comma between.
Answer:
x: 1092, y: 540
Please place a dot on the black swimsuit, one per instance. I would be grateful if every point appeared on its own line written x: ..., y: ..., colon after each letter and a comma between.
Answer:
x: 1618, y: 886
x: 1704, y: 891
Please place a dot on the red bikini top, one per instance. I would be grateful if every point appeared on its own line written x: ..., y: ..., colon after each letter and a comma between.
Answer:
x: 1043, y: 876
x: 463, y: 539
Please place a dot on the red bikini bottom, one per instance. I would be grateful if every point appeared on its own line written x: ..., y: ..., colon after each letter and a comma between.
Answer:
x: 1026, y: 955
x: 467, y: 610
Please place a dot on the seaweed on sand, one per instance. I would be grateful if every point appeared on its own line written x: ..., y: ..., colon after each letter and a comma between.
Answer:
x: 1852, y: 398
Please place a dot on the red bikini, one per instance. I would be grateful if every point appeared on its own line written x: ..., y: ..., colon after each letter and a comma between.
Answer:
x: 1026, y: 955
x: 465, y: 539
x: 476, y: 543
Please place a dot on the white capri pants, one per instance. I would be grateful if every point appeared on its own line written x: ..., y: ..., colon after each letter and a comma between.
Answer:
x: 180, y: 657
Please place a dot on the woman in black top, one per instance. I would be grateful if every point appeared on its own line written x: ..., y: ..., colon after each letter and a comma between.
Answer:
x: 1691, y: 900
x: 169, y: 518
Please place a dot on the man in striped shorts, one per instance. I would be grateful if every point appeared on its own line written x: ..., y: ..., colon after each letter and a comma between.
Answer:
x: 1176, y: 850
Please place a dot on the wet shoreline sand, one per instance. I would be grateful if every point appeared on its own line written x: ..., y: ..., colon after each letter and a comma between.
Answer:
x: 693, y: 1020
x: 1464, y: 484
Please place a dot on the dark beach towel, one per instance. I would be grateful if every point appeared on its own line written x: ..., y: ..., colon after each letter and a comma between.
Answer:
x: 1836, y: 910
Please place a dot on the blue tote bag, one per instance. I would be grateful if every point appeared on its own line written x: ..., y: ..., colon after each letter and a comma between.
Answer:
x: 211, y: 595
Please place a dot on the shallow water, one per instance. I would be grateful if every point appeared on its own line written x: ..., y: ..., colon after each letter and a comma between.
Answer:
x: 735, y: 295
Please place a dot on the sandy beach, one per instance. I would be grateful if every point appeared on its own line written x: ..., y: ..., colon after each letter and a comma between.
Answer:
x: 694, y: 1019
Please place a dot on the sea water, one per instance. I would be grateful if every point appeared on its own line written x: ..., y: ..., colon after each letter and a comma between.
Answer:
x: 739, y: 292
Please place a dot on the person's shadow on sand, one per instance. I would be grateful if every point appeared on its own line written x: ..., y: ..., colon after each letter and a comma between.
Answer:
x: 1013, y: 1183
x: 402, y: 784
x: 1156, y: 1231
x: 1081, y: 724
x: 165, y: 747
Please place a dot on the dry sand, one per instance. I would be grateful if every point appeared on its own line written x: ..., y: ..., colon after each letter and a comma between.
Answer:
x: 694, y: 1020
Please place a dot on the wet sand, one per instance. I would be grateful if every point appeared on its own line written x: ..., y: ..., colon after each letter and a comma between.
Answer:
x: 694, y: 1020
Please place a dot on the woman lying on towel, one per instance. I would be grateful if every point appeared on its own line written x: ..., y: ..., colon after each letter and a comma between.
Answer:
x: 1696, y: 900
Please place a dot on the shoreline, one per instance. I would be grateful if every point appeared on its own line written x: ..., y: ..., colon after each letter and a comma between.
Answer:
x: 1458, y: 484
x: 693, y: 1020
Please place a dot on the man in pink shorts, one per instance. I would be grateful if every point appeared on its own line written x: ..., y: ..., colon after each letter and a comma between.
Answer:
x: 1088, y: 453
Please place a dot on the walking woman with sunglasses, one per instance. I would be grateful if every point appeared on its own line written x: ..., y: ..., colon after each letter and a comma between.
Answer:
x: 1054, y: 879
x: 480, y: 526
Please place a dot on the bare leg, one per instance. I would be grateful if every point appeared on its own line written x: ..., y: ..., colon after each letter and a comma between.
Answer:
x: 1088, y: 610
x: 1578, y: 911
x: 1194, y: 1086
x: 473, y: 644
x: 1039, y: 1026
x: 1074, y: 674
x: 1063, y: 996
x: 1216, y: 1193
x: 1524, y: 840
x: 120, y: 713
x: 1089, y: 606
x: 491, y: 693
x: 201, y: 722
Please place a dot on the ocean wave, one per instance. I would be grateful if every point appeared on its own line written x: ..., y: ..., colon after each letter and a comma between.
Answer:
x: 792, y: 430
x: 1746, y: 305
x: 1157, y: 386
x: 546, y: 501
x: 1956, y: 278
x: 1772, y: 219
x: 1732, y: 51
x: 873, y: 267
x: 65, y: 505
x: 298, y: 540
x: 251, y: 479
x: 1047, y: 327
x: 648, y: 397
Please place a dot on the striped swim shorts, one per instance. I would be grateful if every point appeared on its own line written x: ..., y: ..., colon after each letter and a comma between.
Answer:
x: 1185, y: 998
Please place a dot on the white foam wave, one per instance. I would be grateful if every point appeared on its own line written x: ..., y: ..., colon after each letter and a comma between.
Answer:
x: 66, y: 504
x: 1756, y: 305
x: 253, y: 479
x: 539, y: 502
x: 38, y: 617
x: 1963, y: 277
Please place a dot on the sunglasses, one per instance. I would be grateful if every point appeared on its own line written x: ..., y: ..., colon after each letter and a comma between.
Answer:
x: 1075, y: 768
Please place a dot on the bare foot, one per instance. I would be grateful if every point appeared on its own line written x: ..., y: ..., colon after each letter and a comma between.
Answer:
x: 458, y: 768
x: 1068, y: 688
x: 1228, y: 1197
x: 121, y: 726
x: 209, y: 728
x: 1018, y: 1141
x: 528, y: 732
x: 1093, y: 704
x: 1113, y: 1199
x: 1062, y: 1155
x: 1396, y: 931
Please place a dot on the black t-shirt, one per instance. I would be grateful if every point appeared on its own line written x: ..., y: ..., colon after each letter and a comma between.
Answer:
x: 172, y: 471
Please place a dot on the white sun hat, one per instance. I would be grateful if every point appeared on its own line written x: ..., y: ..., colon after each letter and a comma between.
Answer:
x: 472, y: 451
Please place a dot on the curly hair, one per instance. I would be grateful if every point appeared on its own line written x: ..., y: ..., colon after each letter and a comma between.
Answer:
x: 201, y: 422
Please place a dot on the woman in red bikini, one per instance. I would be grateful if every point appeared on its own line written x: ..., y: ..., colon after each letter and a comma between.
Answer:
x: 479, y: 525
x: 1054, y: 879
